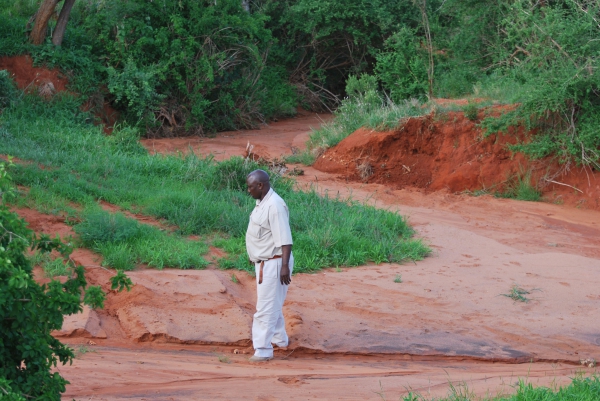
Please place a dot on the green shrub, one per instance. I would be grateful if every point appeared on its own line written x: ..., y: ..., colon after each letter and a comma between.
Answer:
x: 136, y: 88
x: 29, y: 312
x: 402, y: 66
x: 471, y: 109
x: 8, y: 90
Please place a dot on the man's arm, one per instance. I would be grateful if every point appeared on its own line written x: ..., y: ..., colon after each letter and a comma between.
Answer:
x: 285, y: 276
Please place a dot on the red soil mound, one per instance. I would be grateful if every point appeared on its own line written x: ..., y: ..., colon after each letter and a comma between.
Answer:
x: 47, y: 82
x: 448, y: 151
x: 27, y: 76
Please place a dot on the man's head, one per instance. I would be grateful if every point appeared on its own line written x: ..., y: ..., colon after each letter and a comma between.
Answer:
x: 258, y: 184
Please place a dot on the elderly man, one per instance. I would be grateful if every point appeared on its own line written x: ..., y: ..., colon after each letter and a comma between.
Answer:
x: 269, y: 246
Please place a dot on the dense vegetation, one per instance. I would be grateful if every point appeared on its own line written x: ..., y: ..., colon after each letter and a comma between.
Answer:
x: 189, y: 67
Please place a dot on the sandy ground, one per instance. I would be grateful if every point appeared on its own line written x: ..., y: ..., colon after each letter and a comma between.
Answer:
x: 355, y: 331
x: 270, y: 141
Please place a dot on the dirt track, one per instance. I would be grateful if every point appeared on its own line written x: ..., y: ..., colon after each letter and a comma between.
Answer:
x: 357, y: 329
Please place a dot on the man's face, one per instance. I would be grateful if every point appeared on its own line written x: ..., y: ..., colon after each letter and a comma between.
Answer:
x: 254, y: 187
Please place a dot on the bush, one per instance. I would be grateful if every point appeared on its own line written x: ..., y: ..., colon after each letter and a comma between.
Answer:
x: 402, y: 66
x: 8, y: 90
x: 136, y: 88
x: 470, y: 110
x: 30, y: 311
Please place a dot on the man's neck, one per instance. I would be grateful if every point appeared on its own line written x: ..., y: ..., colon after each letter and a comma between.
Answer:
x: 265, y: 193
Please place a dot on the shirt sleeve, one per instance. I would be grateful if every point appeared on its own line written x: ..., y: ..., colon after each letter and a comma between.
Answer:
x: 279, y: 220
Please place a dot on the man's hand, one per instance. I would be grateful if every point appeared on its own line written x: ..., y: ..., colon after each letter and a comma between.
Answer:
x: 284, y: 275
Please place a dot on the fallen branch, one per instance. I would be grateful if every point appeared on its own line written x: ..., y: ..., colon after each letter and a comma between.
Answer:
x: 561, y: 183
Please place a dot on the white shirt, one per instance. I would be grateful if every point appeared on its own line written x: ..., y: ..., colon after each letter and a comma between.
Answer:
x: 269, y: 228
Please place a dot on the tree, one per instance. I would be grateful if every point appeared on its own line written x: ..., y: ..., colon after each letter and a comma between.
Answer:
x: 42, y: 17
x: 61, y: 23
x: 30, y: 311
x: 422, y: 5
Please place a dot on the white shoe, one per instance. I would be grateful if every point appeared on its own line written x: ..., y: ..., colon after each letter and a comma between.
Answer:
x: 260, y: 358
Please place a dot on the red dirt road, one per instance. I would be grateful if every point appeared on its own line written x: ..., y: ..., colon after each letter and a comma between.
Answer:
x: 356, y: 331
x: 202, y: 373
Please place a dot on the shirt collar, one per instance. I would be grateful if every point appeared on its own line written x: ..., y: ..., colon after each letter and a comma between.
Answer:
x: 267, y: 196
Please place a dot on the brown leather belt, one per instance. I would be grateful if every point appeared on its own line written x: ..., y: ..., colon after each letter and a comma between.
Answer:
x: 262, y: 265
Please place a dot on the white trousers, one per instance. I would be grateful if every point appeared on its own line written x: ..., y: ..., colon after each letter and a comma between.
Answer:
x: 268, y: 326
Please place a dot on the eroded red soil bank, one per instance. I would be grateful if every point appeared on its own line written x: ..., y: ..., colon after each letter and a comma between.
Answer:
x: 449, y: 152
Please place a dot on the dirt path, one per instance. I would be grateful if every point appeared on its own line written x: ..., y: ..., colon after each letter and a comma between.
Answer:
x: 281, y: 137
x: 194, y: 373
x: 172, y: 337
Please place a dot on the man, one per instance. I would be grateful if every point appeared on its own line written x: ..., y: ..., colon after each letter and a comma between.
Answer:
x: 269, y: 246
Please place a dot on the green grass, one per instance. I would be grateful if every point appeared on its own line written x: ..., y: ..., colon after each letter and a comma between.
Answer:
x: 75, y: 164
x: 124, y: 242
x: 367, y: 111
x: 471, y: 109
x: 580, y: 389
x: 47, y: 202
x: 519, y: 187
x: 52, y: 266
x: 517, y: 294
x: 398, y: 278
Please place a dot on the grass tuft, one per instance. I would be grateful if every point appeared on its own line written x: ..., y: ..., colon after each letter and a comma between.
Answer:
x: 519, y: 187
x: 580, y: 389
x: 52, y: 266
x: 517, y: 294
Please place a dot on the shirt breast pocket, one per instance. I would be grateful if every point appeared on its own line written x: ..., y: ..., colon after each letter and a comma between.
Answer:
x: 257, y: 227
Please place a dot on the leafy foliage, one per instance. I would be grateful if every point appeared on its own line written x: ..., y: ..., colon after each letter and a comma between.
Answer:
x: 30, y: 311
x: 193, y: 67
x: 8, y: 90
x: 402, y: 66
